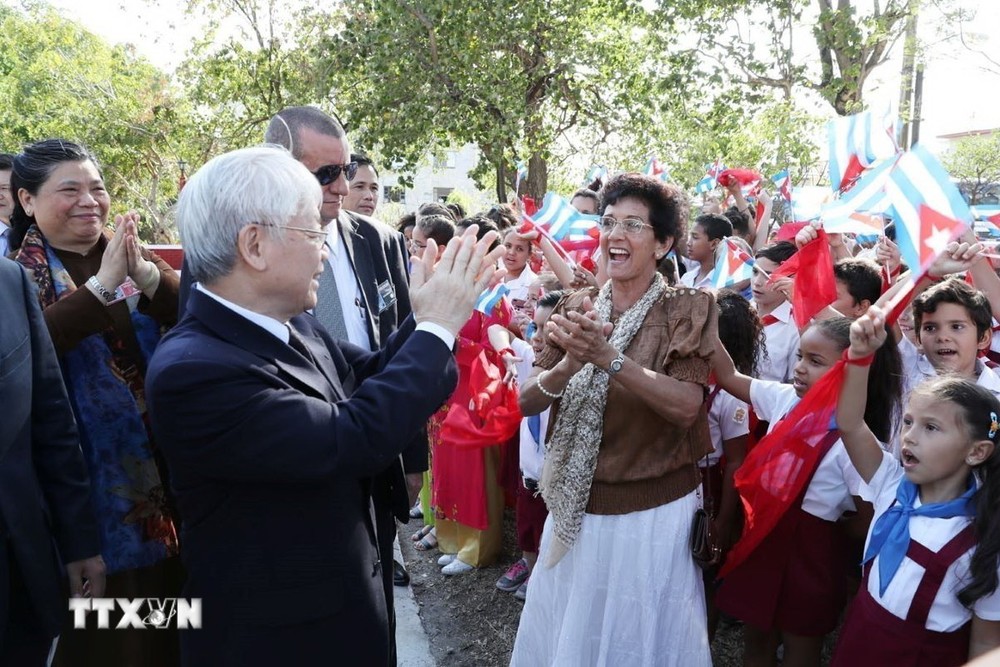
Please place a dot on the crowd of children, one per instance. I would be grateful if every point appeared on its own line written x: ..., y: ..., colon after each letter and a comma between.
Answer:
x: 912, y: 444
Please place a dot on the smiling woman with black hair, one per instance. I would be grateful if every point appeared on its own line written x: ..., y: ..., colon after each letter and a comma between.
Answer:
x: 105, y: 300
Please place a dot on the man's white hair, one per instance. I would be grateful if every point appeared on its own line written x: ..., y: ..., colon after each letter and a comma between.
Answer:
x: 263, y: 184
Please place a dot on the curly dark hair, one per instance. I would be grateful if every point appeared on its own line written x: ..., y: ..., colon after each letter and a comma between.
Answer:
x: 503, y: 215
x: 740, y: 331
x: 668, y: 205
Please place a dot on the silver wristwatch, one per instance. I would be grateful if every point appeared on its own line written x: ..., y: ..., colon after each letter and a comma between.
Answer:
x: 616, y: 364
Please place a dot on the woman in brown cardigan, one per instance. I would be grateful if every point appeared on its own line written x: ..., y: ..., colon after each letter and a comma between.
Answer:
x: 105, y: 300
x: 625, y: 369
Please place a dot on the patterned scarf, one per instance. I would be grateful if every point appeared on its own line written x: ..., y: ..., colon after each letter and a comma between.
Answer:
x: 891, y: 534
x: 571, y: 456
x: 108, y: 397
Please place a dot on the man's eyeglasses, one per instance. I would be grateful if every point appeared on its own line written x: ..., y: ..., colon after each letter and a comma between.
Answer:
x: 330, y: 172
x: 317, y: 237
x: 416, y: 246
x: 631, y: 226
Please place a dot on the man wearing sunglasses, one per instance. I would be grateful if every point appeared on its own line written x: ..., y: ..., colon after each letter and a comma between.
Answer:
x: 363, y: 296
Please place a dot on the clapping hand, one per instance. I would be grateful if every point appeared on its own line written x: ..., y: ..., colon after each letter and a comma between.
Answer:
x: 143, y: 272
x: 584, y: 335
x: 86, y: 577
x: 445, y: 293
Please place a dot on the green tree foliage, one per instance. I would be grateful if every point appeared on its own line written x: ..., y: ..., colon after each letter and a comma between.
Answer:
x: 255, y: 58
x: 975, y: 161
x: 847, y: 45
x: 513, y: 77
x: 58, y: 80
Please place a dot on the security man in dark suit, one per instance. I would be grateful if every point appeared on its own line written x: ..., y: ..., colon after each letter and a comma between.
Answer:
x: 45, y: 513
x: 272, y: 430
x: 362, y: 295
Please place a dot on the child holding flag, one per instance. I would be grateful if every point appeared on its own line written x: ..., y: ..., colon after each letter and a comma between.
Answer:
x: 929, y: 594
x: 703, y: 241
x: 789, y: 583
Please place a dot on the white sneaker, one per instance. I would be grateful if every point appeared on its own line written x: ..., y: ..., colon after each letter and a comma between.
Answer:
x: 446, y: 559
x: 456, y: 567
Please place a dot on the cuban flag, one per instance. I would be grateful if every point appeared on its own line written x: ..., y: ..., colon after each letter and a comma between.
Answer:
x: 733, y: 265
x: 710, y: 182
x: 656, y: 169
x: 567, y: 226
x: 596, y: 172
x: 783, y: 181
x: 857, y: 142
x: 930, y: 211
x: 860, y: 209
x: 987, y: 213
x: 489, y: 299
x: 807, y: 202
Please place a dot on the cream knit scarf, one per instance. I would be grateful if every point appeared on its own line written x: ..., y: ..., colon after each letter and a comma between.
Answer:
x: 571, y: 453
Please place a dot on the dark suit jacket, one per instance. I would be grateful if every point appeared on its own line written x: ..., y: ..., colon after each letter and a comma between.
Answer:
x: 378, y: 255
x: 45, y: 508
x: 269, y: 462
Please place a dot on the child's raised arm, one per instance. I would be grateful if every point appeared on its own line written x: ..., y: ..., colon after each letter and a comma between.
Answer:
x: 726, y: 375
x: 867, y: 335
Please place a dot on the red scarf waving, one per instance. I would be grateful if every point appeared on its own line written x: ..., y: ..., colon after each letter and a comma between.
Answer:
x: 778, y: 470
x: 815, y: 287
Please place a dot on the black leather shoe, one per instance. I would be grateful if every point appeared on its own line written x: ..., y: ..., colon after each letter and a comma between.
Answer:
x: 400, y: 577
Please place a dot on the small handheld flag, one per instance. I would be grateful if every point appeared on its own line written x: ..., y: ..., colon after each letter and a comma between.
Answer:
x: 489, y: 299
x: 732, y: 266
x: 931, y: 212
x: 783, y: 181
x: 656, y: 169
x: 856, y: 143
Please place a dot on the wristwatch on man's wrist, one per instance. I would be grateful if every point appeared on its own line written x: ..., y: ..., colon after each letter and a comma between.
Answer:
x: 616, y: 364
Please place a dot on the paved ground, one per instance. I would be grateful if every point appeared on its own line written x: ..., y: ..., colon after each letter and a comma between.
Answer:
x: 412, y: 646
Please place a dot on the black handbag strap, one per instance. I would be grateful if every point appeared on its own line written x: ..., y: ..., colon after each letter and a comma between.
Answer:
x: 708, y: 502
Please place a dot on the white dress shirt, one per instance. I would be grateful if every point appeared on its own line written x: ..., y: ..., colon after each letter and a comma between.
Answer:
x: 947, y: 613
x: 829, y: 492
x: 280, y: 329
x: 352, y: 301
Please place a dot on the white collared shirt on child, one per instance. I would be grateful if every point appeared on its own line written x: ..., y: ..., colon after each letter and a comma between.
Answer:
x: 829, y: 492
x: 781, y: 340
x: 947, y: 613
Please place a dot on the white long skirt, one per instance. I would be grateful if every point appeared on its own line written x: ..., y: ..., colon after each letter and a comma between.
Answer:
x: 627, y: 594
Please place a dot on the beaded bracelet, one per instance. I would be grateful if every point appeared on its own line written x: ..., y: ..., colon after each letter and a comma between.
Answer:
x: 538, y: 383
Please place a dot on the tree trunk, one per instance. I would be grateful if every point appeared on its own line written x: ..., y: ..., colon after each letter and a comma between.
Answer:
x: 501, y: 182
x: 906, y: 74
x: 538, y: 178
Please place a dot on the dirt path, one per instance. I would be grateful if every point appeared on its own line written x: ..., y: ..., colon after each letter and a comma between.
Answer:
x: 472, y: 624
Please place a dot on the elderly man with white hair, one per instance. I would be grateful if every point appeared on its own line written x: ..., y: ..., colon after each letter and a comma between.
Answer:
x: 271, y: 428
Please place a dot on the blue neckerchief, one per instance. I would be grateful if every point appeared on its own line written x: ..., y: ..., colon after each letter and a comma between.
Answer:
x: 891, y: 535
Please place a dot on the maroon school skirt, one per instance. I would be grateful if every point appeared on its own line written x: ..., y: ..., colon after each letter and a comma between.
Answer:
x: 873, y: 637
x: 794, y: 581
x: 530, y: 514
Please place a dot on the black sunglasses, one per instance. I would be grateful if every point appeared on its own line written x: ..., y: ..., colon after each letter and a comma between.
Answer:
x: 329, y: 173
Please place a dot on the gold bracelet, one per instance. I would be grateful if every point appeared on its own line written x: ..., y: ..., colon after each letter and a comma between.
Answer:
x: 538, y: 383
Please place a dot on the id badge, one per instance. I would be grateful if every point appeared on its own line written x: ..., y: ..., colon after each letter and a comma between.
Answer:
x: 386, y: 296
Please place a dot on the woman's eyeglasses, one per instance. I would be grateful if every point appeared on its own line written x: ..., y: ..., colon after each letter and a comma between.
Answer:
x: 329, y: 173
x: 317, y: 237
x: 631, y: 226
